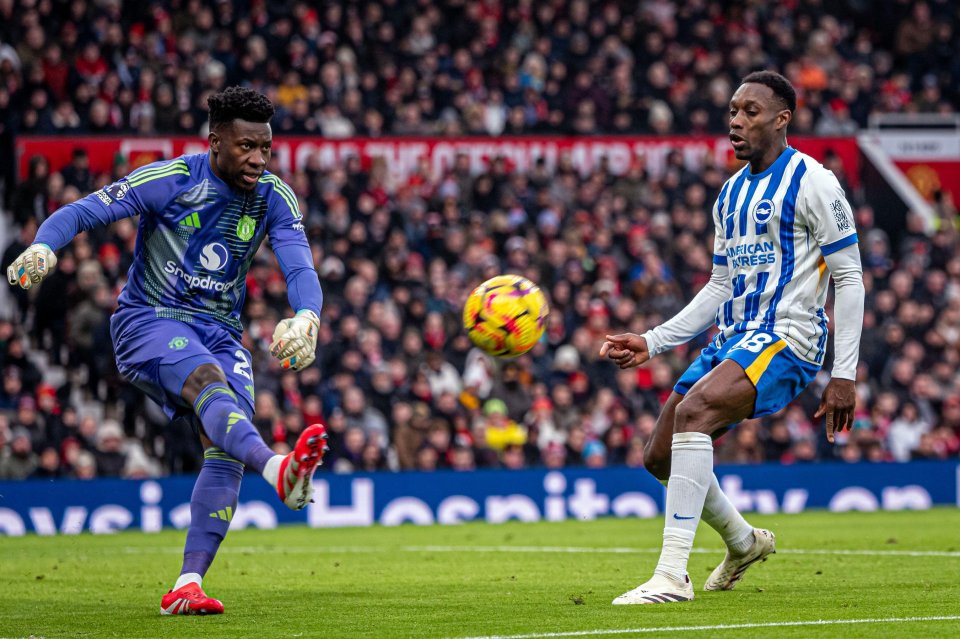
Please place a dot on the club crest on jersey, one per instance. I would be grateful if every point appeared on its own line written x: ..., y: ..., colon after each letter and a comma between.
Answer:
x: 246, y: 227
x: 763, y: 211
x: 214, y: 256
x: 178, y: 343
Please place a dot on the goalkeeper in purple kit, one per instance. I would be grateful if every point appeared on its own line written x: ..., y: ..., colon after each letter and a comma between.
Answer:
x: 177, y: 327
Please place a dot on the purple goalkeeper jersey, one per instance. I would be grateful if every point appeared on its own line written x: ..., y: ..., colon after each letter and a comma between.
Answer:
x: 197, y: 238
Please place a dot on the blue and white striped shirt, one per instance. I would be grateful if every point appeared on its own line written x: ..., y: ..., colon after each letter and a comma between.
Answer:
x: 773, y: 230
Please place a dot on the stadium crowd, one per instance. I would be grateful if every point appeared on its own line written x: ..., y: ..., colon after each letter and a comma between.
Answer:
x: 479, y: 67
x: 396, y: 380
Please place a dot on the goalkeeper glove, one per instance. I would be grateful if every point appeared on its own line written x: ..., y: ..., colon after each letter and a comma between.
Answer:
x: 32, y: 266
x: 295, y: 340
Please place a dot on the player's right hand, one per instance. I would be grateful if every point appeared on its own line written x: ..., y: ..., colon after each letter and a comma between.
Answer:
x: 32, y: 266
x: 295, y: 340
x: 627, y: 350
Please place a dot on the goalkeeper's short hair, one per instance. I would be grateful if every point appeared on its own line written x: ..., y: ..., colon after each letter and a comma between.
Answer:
x: 238, y: 103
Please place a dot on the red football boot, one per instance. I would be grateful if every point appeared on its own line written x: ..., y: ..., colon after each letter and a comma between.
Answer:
x: 189, y: 600
x: 296, y: 469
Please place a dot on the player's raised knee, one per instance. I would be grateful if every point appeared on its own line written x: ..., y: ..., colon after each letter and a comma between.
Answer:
x: 699, y: 412
x: 201, y: 377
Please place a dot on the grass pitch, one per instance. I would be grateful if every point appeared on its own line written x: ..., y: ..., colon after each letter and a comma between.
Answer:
x: 881, y: 574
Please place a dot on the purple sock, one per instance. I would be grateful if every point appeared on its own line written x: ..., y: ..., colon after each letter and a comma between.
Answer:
x: 228, y: 427
x: 212, y: 505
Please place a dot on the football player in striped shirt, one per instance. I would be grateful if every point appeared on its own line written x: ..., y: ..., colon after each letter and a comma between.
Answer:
x: 177, y: 328
x: 783, y: 229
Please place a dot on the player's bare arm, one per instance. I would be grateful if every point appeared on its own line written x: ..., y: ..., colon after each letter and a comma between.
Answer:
x: 840, y: 395
x: 837, y: 404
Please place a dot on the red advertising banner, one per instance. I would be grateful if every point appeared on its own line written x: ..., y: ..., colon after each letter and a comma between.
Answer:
x: 932, y: 176
x: 930, y: 160
x: 402, y: 155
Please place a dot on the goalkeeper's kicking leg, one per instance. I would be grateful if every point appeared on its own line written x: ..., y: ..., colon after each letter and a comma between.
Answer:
x: 230, y: 441
x: 229, y: 428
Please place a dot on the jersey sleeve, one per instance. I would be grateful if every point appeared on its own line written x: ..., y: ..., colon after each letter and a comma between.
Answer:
x: 719, y: 255
x: 146, y: 190
x: 289, y: 243
x: 827, y: 212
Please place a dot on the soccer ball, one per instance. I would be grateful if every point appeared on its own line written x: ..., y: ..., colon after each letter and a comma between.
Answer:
x: 505, y: 316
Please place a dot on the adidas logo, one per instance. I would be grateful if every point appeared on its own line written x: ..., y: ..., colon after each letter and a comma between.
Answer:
x: 232, y: 419
x: 226, y: 514
x: 191, y: 221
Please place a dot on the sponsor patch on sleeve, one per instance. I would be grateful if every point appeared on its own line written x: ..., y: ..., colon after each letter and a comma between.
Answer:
x: 840, y: 216
x: 117, y: 190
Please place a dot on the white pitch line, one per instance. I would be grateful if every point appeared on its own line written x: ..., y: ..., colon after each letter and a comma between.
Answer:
x: 629, y: 551
x: 532, y: 550
x: 734, y: 626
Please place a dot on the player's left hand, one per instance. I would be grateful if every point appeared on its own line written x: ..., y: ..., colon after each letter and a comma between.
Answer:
x: 295, y: 340
x: 838, y: 401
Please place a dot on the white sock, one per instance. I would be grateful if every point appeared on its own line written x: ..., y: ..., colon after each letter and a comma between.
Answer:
x: 188, y: 578
x: 720, y: 515
x: 691, y: 466
x: 271, y: 470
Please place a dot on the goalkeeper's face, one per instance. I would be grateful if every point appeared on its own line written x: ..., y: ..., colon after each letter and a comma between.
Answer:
x: 241, y: 151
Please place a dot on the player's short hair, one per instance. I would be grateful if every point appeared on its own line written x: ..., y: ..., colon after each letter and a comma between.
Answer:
x: 780, y: 86
x: 238, y: 103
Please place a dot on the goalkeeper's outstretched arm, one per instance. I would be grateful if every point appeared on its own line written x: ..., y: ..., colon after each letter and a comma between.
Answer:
x: 58, y: 230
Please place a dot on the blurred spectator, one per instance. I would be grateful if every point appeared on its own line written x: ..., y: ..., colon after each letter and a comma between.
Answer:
x: 463, y: 458
x: 905, y: 432
x: 18, y: 461
x: 48, y: 466
x: 411, y: 426
x: 77, y: 174
x: 594, y: 454
x: 84, y: 465
x: 369, y: 420
x: 109, y: 454
x: 499, y: 431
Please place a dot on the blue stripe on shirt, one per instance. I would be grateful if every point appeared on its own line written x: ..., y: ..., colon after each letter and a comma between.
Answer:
x: 745, y: 208
x: 822, y: 342
x: 739, y: 287
x: 723, y: 193
x: 787, y: 216
x: 753, y: 299
x: 843, y: 242
x: 732, y: 209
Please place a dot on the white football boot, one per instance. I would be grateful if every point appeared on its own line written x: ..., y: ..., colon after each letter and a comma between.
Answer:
x: 728, y: 573
x: 660, y: 589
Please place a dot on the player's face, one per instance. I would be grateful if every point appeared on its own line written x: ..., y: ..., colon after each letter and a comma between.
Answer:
x: 757, y: 120
x: 241, y: 151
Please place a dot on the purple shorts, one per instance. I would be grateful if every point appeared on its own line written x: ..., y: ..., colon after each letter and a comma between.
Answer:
x: 158, y: 354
